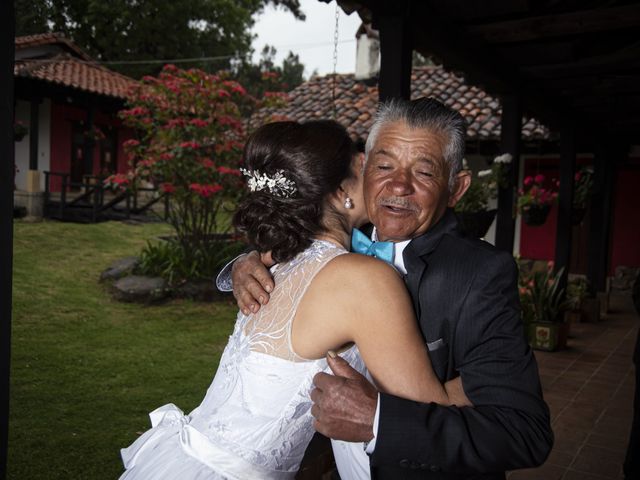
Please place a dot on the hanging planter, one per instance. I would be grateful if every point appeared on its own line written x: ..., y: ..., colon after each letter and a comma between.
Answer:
x: 476, y: 224
x: 535, y: 215
x: 19, y: 131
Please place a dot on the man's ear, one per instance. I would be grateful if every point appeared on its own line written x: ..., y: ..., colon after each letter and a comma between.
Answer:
x: 360, y: 162
x: 463, y: 181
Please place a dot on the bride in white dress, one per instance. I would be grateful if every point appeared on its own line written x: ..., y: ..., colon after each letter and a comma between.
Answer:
x: 254, y: 421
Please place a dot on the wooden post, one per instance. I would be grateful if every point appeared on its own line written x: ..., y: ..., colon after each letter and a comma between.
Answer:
x: 7, y: 154
x: 606, y: 156
x: 87, y: 149
x: 34, y: 130
x: 565, y: 199
x: 510, y: 139
x: 395, y: 51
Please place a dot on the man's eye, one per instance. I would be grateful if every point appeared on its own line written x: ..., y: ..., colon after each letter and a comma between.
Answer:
x: 384, y: 167
x: 425, y: 174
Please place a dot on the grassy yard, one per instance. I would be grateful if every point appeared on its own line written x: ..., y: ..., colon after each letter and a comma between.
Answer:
x: 86, y: 370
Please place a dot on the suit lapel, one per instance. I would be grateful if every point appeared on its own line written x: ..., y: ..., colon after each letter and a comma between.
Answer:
x: 416, y: 255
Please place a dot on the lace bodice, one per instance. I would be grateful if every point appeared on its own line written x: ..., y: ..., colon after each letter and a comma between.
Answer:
x: 255, y: 419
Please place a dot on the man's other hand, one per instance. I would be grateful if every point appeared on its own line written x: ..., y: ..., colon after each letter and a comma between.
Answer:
x: 252, y: 282
x: 344, y: 405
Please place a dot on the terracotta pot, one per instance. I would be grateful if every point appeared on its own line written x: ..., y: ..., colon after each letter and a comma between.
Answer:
x: 535, y: 216
x: 476, y: 224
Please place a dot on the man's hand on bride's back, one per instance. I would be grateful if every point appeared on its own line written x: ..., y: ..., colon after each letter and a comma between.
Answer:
x: 252, y: 282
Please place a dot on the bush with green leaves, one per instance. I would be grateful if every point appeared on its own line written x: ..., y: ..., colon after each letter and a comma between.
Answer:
x: 485, y: 186
x: 190, y: 127
x: 167, y: 259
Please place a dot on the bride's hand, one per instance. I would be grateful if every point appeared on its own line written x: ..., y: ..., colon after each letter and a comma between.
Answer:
x: 252, y: 282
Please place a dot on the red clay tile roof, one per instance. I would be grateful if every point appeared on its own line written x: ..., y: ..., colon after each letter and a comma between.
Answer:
x: 356, y: 103
x: 69, y: 70
x: 28, y: 41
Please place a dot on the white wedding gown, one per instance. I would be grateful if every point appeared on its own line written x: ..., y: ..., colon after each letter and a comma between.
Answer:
x: 255, y: 420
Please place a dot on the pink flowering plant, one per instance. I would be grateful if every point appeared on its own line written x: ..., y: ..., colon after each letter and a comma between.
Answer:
x: 191, y: 130
x: 536, y: 193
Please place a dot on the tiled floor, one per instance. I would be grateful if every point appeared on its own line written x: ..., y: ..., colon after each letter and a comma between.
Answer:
x: 589, y: 388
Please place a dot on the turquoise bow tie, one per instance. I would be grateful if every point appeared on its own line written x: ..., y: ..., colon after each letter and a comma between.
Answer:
x: 360, y: 243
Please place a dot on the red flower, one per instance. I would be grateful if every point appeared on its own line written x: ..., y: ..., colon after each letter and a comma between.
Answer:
x: 168, y: 187
x: 197, y: 122
x: 192, y: 145
x: 223, y: 93
x: 207, y: 163
x: 528, y: 181
x: 131, y: 143
x: 166, y: 156
x: 175, y: 122
x: 205, y: 190
x: 539, y: 178
x: 229, y: 171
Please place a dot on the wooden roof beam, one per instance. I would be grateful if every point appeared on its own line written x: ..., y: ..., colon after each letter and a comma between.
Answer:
x: 559, y: 25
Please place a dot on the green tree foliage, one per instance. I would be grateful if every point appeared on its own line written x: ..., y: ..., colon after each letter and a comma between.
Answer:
x: 266, y: 76
x: 128, y: 30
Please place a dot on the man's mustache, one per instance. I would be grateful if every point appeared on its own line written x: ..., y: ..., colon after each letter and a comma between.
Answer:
x: 398, y: 202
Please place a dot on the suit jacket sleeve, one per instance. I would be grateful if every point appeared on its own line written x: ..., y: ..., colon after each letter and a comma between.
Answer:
x: 509, y: 425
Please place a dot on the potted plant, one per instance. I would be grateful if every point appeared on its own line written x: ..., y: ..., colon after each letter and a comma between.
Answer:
x: 576, y: 293
x: 583, y: 182
x: 543, y: 306
x: 474, y: 215
x: 535, y: 200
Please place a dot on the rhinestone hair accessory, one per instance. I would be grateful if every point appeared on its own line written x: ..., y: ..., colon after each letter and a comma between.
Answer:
x: 277, y: 184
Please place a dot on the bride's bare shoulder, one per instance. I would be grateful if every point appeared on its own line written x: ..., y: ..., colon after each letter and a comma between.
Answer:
x: 357, y: 272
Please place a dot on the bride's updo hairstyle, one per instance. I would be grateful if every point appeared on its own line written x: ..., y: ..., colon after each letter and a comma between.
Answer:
x: 291, y: 168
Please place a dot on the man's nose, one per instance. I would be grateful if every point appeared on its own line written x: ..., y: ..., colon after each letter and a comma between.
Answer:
x: 401, y: 182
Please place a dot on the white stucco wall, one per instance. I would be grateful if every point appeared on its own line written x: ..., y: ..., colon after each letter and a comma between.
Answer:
x: 23, y: 114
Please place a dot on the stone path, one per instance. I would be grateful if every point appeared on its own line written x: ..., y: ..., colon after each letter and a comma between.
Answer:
x: 589, y: 388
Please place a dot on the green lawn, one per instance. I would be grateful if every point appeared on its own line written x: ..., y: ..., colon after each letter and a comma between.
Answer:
x: 86, y: 370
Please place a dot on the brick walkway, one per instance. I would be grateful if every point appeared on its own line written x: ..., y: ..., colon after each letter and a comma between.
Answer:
x: 589, y: 389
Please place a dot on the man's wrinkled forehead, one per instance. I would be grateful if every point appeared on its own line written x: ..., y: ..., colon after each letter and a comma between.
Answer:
x: 426, y: 144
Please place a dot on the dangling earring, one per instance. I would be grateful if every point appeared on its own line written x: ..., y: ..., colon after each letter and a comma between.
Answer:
x: 348, y: 203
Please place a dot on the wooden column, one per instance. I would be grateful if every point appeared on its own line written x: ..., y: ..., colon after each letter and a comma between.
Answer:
x: 395, y: 51
x: 7, y: 41
x: 565, y: 199
x: 601, y: 202
x: 89, y: 142
x: 510, y: 139
x: 34, y: 124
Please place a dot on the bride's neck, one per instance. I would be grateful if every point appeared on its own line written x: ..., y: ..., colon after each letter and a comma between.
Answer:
x: 340, y: 238
x: 337, y: 230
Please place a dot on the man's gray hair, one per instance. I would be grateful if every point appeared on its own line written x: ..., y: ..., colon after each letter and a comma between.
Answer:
x: 425, y: 114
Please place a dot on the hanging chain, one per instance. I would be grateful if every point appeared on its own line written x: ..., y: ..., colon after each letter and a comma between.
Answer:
x: 335, y: 61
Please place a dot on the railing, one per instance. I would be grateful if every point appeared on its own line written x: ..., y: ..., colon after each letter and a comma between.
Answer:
x: 91, y: 200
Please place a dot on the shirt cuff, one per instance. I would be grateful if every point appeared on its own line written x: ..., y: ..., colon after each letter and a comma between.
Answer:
x: 371, y: 446
x: 224, y: 283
